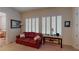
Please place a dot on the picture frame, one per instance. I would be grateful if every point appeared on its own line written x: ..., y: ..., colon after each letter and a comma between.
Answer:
x: 67, y: 24
x: 15, y: 23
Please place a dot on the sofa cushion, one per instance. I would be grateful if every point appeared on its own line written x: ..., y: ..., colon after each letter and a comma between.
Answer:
x: 29, y: 40
x: 26, y: 40
x: 32, y: 41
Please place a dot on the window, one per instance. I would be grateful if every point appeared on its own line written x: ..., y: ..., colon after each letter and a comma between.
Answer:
x: 51, y: 25
x: 48, y: 25
x: 59, y: 24
x: 37, y: 24
x: 32, y: 24
x: 29, y: 25
x: 43, y: 25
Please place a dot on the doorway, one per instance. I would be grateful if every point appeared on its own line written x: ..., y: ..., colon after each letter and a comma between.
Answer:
x: 2, y: 29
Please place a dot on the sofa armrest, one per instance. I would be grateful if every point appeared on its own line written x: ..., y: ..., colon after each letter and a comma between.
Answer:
x: 39, y: 41
x: 40, y: 34
x: 18, y: 36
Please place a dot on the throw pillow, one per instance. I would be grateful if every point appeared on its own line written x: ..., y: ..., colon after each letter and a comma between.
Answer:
x: 22, y: 35
x: 37, y: 37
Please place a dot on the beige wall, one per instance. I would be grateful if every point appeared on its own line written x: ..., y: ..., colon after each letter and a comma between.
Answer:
x: 10, y: 14
x: 66, y: 14
x: 76, y: 27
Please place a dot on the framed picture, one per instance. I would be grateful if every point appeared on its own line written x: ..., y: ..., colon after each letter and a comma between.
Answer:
x: 67, y: 24
x: 15, y: 23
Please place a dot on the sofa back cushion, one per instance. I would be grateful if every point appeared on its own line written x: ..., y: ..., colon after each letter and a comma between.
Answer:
x: 30, y: 34
x: 26, y: 34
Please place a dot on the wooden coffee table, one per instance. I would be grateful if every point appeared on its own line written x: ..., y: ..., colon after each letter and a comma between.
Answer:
x: 53, y: 38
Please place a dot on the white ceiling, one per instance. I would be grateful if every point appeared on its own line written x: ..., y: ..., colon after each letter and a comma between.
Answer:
x: 22, y: 9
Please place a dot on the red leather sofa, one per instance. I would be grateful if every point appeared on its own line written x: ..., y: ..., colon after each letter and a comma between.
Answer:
x: 28, y: 40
